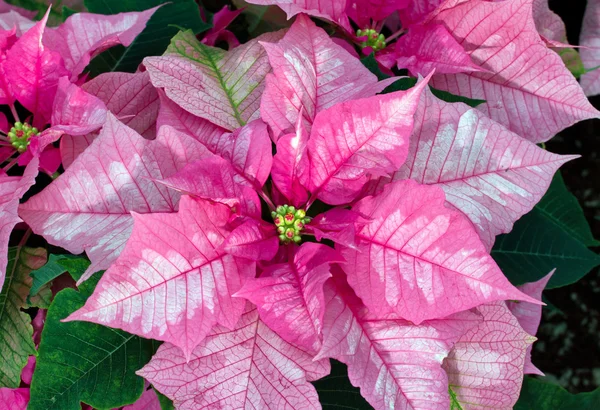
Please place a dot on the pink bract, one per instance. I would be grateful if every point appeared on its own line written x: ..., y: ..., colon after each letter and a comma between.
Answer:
x: 170, y: 253
x: 330, y: 75
x: 523, y: 72
x: 530, y: 315
x: 248, y: 366
x: 489, y: 173
x: 590, y: 42
x: 34, y: 84
x: 419, y: 259
x: 97, y: 219
x: 289, y: 296
x: 497, y: 346
x: 84, y: 35
x: 396, y: 363
x: 264, y: 209
x: 11, y: 190
x: 355, y: 140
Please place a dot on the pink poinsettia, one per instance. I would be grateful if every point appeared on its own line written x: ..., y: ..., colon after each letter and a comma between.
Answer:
x: 41, y: 72
x: 367, y: 230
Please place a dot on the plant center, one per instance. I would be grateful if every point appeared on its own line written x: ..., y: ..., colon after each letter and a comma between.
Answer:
x: 290, y: 223
x: 20, y: 136
x: 374, y: 40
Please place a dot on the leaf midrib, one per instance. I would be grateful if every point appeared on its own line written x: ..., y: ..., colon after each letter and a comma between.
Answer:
x: 213, y: 66
x: 109, y: 354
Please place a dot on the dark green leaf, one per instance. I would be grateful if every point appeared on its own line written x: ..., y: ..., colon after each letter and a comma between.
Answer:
x: 53, y: 269
x: 165, y: 402
x: 540, y: 395
x: 553, y: 235
x: 405, y: 83
x: 85, y: 362
x: 67, y: 12
x: 337, y: 393
x: 155, y: 38
x: 563, y: 209
x: 16, y: 343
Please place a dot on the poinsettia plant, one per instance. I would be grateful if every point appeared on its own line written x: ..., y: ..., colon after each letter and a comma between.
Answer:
x: 281, y: 215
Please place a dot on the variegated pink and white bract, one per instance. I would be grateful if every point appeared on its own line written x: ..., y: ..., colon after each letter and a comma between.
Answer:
x: 38, y: 71
x: 190, y: 183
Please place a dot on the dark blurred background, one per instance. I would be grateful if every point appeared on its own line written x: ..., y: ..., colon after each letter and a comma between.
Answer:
x: 568, y: 347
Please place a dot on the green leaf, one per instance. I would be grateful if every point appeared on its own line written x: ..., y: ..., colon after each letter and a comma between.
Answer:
x: 85, y: 362
x: 53, y: 269
x: 336, y: 392
x: 165, y: 402
x: 555, y: 234
x: 563, y: 209
x: 454, y: 403
x: 16, y: 343
x: 155, y: 38
x: 539, y: 395
x: 67, y: 12
x: 572, y: 61
x: 404, y: 83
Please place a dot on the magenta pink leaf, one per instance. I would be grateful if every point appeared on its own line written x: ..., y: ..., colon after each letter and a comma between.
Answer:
x: 419, y: 259
x: 338, y: 225
x: 171, y: 266
x: 130, y: 97
x: 248, y: 149
x: 84, y: 35
x: 333, y: 10
x: 590, y: 51
x: 528, y: 89
x: 485, y: 367
x: 27, y: 373
x: 489, y: 173
x: 255, y: 240
x: 14, y: 399
x: 148, y: 401
x: 529, y: 315
x: 75, y: 111
x: 212, y: 178
x: 289, y: 296
x: 428, y: 47
x: 363, y: 11
x: 355, y: 140
x: 310, y: 73
x: 418, y: 10
x: 396, y: 364
x: 286, y: 170
x: 11, y: 190
x: 247, y: 367
x: 207, y: 81
x: 33, y: 72
x: 88, y: 207
x: 218, y: 31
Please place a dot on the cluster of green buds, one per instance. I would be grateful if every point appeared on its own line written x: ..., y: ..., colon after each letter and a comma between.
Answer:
x: 374, y: 40
x: 289, y: 222
x: 20, y: 136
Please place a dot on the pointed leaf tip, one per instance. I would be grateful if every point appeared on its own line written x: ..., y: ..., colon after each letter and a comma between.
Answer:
x: 412, y: 234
